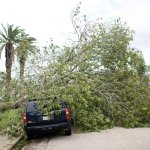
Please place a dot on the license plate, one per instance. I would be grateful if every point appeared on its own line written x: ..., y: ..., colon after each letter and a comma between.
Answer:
x: 45, y: 118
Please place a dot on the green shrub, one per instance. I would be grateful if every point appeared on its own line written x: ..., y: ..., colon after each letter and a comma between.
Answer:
x: 11, y: 122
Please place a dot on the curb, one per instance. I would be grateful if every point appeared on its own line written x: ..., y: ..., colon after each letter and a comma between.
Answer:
x: 11, y: 146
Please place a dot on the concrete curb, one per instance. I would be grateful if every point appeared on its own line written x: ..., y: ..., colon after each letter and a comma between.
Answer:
x: 15, y: 142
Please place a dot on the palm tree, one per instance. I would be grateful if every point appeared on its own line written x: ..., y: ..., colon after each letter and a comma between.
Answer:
x: 25, y: 48
x: 9, y: 37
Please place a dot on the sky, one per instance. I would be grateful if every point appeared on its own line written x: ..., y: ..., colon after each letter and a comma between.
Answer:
x: 45, y: 19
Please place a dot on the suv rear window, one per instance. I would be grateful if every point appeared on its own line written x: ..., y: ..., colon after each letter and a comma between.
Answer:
x: 32, y: 107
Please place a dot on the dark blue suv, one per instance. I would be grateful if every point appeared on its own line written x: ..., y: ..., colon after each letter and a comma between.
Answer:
x: 35, y: 121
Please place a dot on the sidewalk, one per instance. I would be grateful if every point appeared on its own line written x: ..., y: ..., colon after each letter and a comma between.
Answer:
x: 7, y: 143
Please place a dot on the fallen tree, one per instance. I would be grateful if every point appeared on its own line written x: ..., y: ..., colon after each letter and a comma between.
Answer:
x: 4, y: 106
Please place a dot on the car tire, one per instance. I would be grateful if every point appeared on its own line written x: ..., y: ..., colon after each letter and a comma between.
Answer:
x: 29, y: 135
x: 68, y: 132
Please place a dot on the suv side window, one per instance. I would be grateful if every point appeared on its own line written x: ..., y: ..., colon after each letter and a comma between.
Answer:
x: 63, y: 104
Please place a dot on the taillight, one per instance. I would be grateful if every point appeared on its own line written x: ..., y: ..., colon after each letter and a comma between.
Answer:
x: 67, y: 114
x: 25, y: 118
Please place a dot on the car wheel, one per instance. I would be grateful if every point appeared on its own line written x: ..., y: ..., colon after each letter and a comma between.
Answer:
x: 68, y: 132
x: 29, y: 135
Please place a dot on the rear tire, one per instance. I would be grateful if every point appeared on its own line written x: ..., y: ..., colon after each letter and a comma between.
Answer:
x: 68, y: 132
x: 29, y: 135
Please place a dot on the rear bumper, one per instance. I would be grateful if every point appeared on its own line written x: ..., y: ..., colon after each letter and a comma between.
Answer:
x: 49, y: 127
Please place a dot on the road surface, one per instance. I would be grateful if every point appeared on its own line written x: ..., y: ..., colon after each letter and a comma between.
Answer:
x: 111, y: 139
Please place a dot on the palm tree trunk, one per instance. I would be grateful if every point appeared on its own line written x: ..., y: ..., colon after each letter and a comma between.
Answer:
x: 22, y: 65
x: 9, y: 59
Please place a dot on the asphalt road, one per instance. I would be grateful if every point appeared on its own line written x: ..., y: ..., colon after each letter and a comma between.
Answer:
x: 111, y: 139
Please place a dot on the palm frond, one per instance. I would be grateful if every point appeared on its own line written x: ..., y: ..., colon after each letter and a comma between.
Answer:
x: 32, y: 39
x: 26, y: 47
x: 2, y: 40
x: 3, y: 35
x: 13, y: 33
x: 9, y: 29
x: 5, y: 31
x: 1, y: 49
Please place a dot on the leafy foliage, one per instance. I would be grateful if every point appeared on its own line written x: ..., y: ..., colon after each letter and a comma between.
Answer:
x: 11, y: 122
x: 104, y: 81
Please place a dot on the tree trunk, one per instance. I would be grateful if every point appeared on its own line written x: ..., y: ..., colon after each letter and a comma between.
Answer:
x: 9, y: 52
x: 22, y: 65
x: 4, y: 106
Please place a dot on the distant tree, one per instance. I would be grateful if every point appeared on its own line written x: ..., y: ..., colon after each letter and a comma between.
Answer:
x: 9, y: 37
x: 25, y: 48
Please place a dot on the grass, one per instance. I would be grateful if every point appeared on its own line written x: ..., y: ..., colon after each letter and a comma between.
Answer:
x: 10, y: 122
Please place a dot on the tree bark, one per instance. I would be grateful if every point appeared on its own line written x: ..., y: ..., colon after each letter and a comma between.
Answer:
x: 22, y: 65
x: 9, y: 51
x: 4, y: 106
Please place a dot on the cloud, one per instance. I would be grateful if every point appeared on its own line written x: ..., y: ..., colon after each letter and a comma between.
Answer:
x: 135, y: 12
x: 46, y: 19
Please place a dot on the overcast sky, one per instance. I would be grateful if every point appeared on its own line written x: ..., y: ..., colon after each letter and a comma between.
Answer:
x: 45, y: 19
